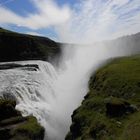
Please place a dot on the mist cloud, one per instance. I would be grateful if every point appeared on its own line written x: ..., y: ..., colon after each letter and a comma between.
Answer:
x: 86, y: 22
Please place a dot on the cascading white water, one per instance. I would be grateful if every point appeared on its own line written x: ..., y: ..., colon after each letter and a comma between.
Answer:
x: 33, y: 90
x: 72, y: 82
x: 52, y: 95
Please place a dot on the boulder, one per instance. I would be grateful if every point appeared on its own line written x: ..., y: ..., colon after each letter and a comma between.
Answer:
x: 116, y: 107
x: 7, y: 109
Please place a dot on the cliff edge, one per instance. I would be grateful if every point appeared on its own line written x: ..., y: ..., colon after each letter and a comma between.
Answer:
x: 111, y: 109
x: 13, y: 126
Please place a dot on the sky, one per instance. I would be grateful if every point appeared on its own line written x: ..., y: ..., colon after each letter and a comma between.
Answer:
x: 72, y: 20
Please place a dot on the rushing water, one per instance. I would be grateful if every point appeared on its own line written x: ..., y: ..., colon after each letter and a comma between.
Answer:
x: 52, y: 94
x: 32, y: 88
x: 41, y: 92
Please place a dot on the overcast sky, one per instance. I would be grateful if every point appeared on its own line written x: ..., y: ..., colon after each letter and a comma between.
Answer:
x: 72, y: 20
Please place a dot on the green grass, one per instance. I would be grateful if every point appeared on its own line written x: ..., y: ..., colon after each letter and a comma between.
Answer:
x: 28, y: 130
x: 17, y: 127
x: 132, y: 128
x: 117, y: 83
x: 120, y: 78
x: 30, y: 127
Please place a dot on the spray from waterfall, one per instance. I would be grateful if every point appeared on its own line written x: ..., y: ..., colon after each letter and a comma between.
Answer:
x: 52, y: 94
x: 91, y: 22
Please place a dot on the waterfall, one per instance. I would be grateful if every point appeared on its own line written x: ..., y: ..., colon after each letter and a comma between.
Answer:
x: 48, y: 94
x: 52, y: 95
x: 33, y: 89
x: 43, y: 92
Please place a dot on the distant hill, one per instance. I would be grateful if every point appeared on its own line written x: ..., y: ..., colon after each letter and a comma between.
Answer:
x: 17, y: 47
x: 130, y: 43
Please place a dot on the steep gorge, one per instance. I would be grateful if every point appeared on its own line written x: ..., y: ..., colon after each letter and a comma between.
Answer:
x: 52, y: 93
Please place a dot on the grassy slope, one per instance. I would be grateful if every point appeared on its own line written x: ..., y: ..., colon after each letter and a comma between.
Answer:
x: 116, y: 84
x: 15, y: 46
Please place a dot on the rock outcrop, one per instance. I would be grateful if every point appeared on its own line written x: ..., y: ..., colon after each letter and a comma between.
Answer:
x: 30, y: 67
x: 15, y: 127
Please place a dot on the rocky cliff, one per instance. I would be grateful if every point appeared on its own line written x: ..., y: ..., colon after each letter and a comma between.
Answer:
x: 15, y: 127
x: 111, y: 109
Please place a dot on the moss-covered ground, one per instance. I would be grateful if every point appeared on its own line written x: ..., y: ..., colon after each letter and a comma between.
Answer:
x: 13, y: 126
x: 110, y: 111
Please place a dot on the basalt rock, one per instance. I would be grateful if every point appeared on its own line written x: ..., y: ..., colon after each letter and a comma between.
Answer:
x: 15, y: 127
